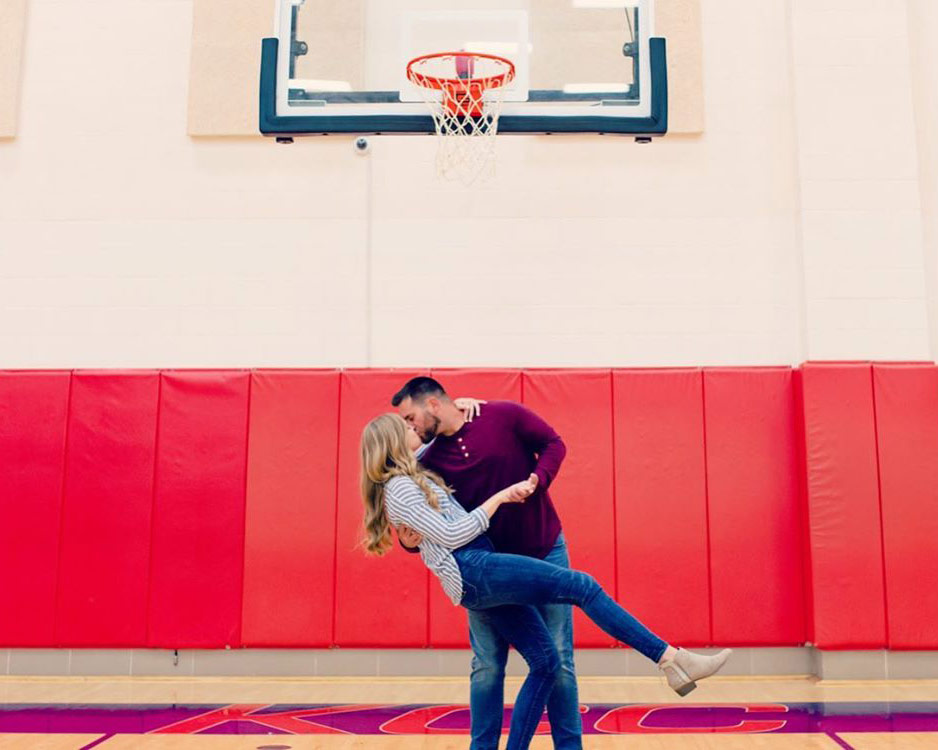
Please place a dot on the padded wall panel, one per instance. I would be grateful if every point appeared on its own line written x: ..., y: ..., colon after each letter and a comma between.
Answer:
x: 798, y: 391
x: 681, y: 23
x: 33, y: 413
x: 289, y: 548
x: 449, y: 626
x: 105, y: 548
x: 12, y: 32
x: 380, y: 602
x: 578, y: 405
x: 843, y: 507
x: 661, y: 502
x: 755, y: 517
x: 907, y: 436
x: 229, y: 30
x: 197, y: 553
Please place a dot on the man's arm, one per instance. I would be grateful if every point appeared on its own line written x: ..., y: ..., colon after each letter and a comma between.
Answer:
x: 542, y: 440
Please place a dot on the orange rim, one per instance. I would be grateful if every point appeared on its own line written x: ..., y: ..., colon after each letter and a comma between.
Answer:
x: 435, y: 82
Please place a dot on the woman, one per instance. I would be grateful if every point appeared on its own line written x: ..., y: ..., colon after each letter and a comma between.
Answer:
x: 397, y: 491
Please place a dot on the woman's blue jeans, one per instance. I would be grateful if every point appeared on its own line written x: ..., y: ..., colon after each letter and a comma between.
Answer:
x: 508, y: 588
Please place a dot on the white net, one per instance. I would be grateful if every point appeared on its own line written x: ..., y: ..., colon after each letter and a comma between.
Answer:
x: 464, y: 92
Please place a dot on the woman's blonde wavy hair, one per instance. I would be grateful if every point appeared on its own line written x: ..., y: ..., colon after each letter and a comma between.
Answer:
x: 384, y: 454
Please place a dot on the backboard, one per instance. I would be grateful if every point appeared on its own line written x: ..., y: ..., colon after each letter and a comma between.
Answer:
x: 582, y: 66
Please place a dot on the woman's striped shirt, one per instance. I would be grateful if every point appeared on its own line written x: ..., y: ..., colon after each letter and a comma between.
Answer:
x: 443, y: 530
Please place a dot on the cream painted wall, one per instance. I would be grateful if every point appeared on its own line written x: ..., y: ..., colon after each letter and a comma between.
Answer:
x: 861, y: 210
x: 785, y: 231
x: 923, y: 30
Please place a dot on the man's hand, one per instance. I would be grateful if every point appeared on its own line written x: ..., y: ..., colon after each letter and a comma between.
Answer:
x: 470, y: 407
x: 409, y: 538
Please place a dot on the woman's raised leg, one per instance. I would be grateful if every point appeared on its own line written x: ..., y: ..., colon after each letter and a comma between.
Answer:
x: 501, y: 579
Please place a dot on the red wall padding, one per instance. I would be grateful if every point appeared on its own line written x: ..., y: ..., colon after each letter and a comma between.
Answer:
x: 448, y: 624
x: 578, y: 405
x: 804, y: 535
x: 755, y: 507
x: 380, y: 602
x: 907, y: 430
x: 197, y: 557
x: 33, y: 414
x: 289, y: 546
x: 843, y: 506
x: 661, y: 502
x: 199, y: 509
x: 105, y: 547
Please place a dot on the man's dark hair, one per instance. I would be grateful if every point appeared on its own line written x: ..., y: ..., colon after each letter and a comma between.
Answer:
x: 417, y: 389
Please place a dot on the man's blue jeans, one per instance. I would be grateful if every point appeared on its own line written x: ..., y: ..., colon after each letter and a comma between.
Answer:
x: 509, y: 590
x: 487, y: 684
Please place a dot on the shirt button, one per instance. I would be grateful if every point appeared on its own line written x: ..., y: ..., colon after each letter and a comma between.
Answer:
x: 459, y: 439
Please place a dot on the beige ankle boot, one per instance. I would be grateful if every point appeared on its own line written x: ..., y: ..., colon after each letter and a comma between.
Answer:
x: 686, y: 668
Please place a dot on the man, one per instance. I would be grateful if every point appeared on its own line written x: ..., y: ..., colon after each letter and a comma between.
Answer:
x: 506, y: 443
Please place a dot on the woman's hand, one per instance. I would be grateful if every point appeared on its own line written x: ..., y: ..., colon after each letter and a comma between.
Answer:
x: 470, y: 407
x: 520, y: 491
x: 516, y: 493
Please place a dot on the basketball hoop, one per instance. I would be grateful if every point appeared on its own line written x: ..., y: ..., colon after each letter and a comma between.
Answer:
x: 464, y: 91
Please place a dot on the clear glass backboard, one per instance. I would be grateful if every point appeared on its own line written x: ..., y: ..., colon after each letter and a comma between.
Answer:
x: 339, y: 66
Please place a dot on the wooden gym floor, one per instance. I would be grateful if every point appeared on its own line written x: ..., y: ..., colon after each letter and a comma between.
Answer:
x: 68, y: 713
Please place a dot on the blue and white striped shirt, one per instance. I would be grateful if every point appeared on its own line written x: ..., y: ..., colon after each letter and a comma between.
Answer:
x: 444, y: 530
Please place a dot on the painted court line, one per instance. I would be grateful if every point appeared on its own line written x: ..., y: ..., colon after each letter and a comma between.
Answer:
x: 831, y: 718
